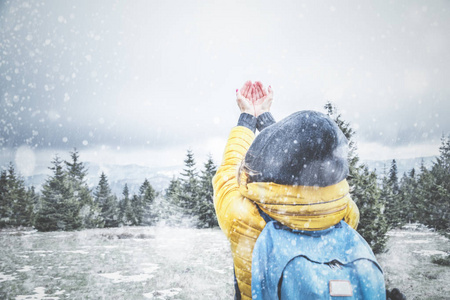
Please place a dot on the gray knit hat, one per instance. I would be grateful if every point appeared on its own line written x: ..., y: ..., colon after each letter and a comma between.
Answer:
x: 306, y: 148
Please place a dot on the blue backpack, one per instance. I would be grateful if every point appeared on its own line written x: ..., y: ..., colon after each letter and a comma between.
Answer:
x: 335, y: 263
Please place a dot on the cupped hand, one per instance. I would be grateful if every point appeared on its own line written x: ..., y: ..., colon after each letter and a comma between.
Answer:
x: 244, y: 98
x: 262, y: 98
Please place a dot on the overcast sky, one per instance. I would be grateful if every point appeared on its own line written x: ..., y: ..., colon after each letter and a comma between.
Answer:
x: 143, y: 81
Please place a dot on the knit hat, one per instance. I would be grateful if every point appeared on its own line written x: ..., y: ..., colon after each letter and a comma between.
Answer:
x: 306, y: 148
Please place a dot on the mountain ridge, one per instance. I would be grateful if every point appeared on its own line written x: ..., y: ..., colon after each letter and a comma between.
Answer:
x: 159, y: 177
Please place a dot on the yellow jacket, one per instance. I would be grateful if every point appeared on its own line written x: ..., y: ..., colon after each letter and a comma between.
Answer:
x: 298, y: 207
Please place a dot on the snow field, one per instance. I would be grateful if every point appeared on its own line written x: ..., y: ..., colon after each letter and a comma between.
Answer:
x: 407, y: 263
x: 176, y: 263
x: 169, y: 263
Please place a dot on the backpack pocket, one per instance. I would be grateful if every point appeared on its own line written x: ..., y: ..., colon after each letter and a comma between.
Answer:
x: 306, y: 279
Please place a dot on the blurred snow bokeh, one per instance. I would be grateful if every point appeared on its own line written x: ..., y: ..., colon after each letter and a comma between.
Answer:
x: 25, y: 160
x: 160, y: 77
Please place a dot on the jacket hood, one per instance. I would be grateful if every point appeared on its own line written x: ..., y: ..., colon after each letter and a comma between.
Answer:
x: 306, y: 148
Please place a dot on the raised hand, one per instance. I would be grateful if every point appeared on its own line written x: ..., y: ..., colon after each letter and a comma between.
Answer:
x: 247, y: 90
x: 244, y: 98
x: 262, y: 98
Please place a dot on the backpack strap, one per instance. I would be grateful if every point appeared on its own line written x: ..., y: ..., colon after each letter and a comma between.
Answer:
x: 263, y: 215
x: 237, y: 292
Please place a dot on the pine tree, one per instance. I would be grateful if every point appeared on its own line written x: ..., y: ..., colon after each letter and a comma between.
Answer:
x: 137, y: 210
x: 173, y: 191
x: 107, y: 203
x: 59, y: 209
x: 126, y: 214
x: 169, y: 210
x: 388, y: 197
x: 189, y: 193
x: 408, y: 196
x: 366, y: 194
x: 5, y: 208
x: 438, y: 205
x: 15, y: 205
x: 393, y: 177
x: 364, y: 190
x: 394, y: 210
x: 76, y: 170
x: 147, y: 195
x: 22, y: 205
x: 353, y: 158
x: 425, y: 186
x: 89, y: 211
x: 205, y: 210
x: 34, y: 201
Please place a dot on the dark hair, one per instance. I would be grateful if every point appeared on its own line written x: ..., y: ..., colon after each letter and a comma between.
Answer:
x: 244, y: 167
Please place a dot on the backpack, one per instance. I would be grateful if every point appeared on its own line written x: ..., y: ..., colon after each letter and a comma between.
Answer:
x: 335, y: 263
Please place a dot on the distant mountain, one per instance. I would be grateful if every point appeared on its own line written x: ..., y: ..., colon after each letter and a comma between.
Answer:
x: 133, y: 175
x: 118, y: 176
x: 403, y: 165
x: 159, y: 178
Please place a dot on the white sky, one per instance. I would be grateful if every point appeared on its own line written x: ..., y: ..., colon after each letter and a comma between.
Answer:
x: 143, y: 81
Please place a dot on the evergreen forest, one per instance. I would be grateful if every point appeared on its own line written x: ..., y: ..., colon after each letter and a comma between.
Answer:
x: 66, y: 202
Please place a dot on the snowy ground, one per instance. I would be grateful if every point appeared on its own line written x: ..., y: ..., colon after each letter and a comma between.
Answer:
x: 123, y: 263
x: 174, y: 263
x: 407, y: 263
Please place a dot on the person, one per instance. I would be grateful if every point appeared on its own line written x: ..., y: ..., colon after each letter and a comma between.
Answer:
x: 294, y: 171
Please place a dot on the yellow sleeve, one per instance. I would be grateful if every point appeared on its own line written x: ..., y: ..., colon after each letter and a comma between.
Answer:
x: 229, y: 203
x: 352, y: 215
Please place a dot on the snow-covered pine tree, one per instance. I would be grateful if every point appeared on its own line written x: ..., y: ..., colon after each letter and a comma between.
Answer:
x: 22, y: 206
x: 126, y: 210
x: 363, y: 189
x: 393, y: 177
x: 438, y: 206
x: 5, y: 209
x: 205, y: 209
x: 388, y: 197
x: 15, y: 204
x: 408, y: 195
x: 425, y: 186
x: 147, y: 195
x: 107, y: 203
x: 121, y: 211
x: 77, y: 172
x: 173, y: 191
x: 137, y: 210
x: 59, y: 209
x: 366, y: 193
x: 189, y: 192
x: 35, y: 202
x: 169, y: 210
x: 395, y: 210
